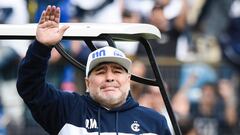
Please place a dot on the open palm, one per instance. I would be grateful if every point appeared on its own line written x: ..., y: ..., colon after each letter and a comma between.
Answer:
x: 48, y: 31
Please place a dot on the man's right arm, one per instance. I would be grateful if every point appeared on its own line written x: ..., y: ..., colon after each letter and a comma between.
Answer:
x: 32, y: 71
x: 49, y: 106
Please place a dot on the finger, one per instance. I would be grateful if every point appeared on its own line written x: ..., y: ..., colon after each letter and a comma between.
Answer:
x: 63, y: 29
x: 48, y: 12
x: 57, y: 15
x: 52, y: 14
x: 42, y: 18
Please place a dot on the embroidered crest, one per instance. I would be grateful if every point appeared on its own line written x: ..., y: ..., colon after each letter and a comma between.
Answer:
x: 135, y: 126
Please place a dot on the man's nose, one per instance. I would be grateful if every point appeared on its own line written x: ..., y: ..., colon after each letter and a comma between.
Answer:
x: 109, y: 76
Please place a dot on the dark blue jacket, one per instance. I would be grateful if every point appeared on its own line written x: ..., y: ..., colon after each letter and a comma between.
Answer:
x: 67, y: 113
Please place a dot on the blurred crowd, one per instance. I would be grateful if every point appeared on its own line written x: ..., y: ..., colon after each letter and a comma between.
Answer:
x: 198, y: 55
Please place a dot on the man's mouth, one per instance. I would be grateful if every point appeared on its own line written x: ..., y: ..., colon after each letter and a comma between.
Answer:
x: 108, y: 88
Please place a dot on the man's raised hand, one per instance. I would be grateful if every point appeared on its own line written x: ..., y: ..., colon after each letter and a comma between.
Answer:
x: 48, y: 31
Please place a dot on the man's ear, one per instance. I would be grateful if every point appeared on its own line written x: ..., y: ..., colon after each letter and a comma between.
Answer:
x: 87, y: 82
x: 129, y: 77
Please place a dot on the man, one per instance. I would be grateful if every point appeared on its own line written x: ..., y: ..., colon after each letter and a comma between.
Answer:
x: 106, y: 107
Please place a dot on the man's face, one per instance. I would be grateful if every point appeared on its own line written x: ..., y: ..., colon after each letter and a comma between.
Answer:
x: 108, y: 84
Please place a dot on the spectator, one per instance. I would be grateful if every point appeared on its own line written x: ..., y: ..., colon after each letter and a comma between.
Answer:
x: 129, y: 16
x: 228, y: 93
x: 170, y: 30
x: 206, y: 114
x: 229, y: 39
x: 213, y: 115
x: 193, y: 76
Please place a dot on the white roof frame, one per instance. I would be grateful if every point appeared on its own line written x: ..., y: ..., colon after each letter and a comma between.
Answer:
x: 118, y: 31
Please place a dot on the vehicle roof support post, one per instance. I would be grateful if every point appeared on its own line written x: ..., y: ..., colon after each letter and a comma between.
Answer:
x: 159, y: 81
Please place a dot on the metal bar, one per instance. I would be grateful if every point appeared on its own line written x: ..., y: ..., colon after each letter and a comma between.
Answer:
x: 143, y: 80
x: 109, y: 39
x: 69, y: 58
x: 90, y: 44
x: 159, y: 81
x: 16, y: 37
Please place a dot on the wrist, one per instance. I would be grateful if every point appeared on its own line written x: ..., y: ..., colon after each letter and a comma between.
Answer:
x: 40, y: 50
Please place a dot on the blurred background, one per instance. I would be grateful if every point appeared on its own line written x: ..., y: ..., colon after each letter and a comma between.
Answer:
x: 198, y: 56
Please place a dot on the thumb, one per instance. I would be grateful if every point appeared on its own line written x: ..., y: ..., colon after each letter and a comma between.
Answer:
x: 63, y: 29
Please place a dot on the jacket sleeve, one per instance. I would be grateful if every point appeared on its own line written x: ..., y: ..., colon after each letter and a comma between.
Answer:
x: 49, y: 106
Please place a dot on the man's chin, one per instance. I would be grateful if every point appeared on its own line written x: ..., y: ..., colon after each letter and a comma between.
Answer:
x: 111, y: 97
x: 110, y: 93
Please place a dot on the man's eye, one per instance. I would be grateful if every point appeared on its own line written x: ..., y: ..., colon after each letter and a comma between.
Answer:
x: 100, y: 72
x: 118, y: 71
